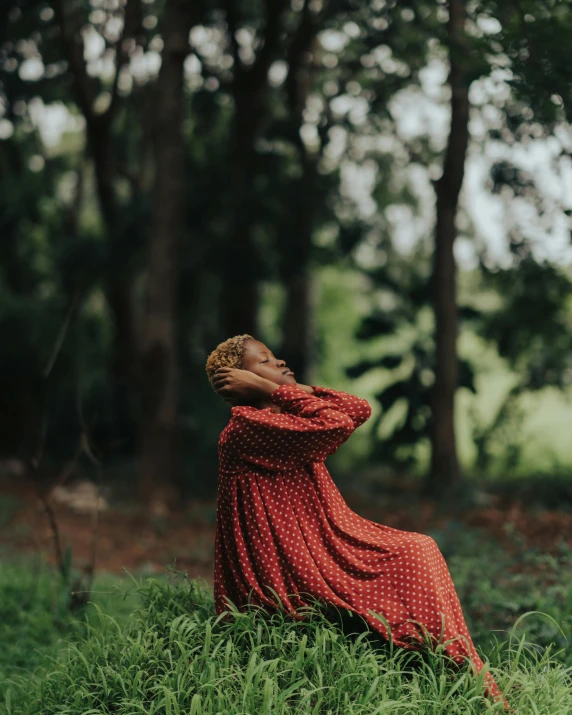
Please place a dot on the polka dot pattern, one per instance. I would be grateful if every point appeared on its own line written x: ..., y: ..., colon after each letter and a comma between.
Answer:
x: 283, y: 526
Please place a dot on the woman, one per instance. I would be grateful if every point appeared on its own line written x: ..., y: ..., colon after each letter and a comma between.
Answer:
x: 282, y: 523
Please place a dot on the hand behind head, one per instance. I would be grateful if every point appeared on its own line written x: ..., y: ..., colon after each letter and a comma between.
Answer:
x: 242, y: 387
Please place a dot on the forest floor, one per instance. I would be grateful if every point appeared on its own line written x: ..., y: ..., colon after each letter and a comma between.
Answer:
x: 127, y: 538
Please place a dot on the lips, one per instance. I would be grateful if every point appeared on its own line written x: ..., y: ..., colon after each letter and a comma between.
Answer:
x: 287, y: 371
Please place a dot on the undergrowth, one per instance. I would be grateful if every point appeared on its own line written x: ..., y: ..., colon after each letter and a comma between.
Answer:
x: 175, y: 656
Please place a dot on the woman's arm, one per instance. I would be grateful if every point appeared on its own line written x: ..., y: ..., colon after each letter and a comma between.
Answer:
x: 355, y: 407
x: 308, y: 430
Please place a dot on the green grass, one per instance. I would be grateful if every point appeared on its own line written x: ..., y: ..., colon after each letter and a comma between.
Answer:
x: 174, y: 656
x: 35, y: 622
x: 157, y: 646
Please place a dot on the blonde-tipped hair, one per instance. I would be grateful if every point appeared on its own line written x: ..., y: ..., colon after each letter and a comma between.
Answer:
x: 227, y: 354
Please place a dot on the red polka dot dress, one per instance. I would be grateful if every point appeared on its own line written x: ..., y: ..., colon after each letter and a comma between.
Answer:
x: 282, y: 524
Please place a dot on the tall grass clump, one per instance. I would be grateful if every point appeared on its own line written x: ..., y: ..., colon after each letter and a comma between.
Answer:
x: 35, y: 616
x: 176, y: 656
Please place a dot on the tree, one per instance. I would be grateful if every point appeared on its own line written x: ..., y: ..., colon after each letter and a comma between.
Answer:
x: 160, y: 451
x: 249, y: 89
x: 295, y: 242
x: 88, y: 91
x: 444, y: 471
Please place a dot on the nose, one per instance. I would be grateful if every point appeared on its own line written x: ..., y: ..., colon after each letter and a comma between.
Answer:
x: 280, y: 363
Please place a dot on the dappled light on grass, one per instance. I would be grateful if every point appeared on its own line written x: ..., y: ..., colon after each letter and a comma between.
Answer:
x: 176, y: 656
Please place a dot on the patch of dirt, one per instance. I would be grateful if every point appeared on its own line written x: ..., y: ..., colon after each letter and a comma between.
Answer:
x: 131, y: 539
x: 124, y: 538
x: 543, y: 530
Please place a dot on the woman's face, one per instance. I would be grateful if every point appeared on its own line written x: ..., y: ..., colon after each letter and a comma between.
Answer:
x: 260, y: 360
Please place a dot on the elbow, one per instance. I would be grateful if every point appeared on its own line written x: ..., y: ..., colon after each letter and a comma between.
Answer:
x: 342, y: 421
x: 363, y: 413
x: 334, y: 420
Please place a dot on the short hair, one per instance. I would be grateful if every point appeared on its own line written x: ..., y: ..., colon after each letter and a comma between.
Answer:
x: 229, y: 353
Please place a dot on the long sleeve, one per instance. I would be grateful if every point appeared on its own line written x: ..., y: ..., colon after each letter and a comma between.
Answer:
x: 355, y: 407
x: 308, y: 430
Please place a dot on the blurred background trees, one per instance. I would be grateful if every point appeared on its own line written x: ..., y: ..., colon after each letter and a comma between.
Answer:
x: 380, y: 190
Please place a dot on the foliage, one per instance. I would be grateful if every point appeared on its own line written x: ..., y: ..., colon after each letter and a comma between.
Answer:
x: 538, y: 350
x: 404, y: 320
x: 497, y: 586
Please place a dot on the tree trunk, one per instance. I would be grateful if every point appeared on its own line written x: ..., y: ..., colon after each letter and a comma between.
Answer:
x: 241, y: 273
x: 118, y: 284
x: 242, y: 266
x: 299, y: 329
x: 159, y: 471
x: 240, y: 291
x: 298, y: 337
x: 444, y: 472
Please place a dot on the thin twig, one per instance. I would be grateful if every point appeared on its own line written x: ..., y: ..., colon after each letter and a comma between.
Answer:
x: 33, y: 463
x: 61, y: 336
x: 89, y: 452
x: 55, y: 533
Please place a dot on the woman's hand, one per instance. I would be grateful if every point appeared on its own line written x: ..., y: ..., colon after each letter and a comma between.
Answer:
x: 241, y: 387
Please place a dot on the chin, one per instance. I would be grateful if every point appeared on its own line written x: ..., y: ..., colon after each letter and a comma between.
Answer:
x: 288, y: 380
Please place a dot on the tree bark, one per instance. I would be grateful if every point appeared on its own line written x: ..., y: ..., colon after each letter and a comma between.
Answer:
x: 444, y: 471
x: 159, y: 454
